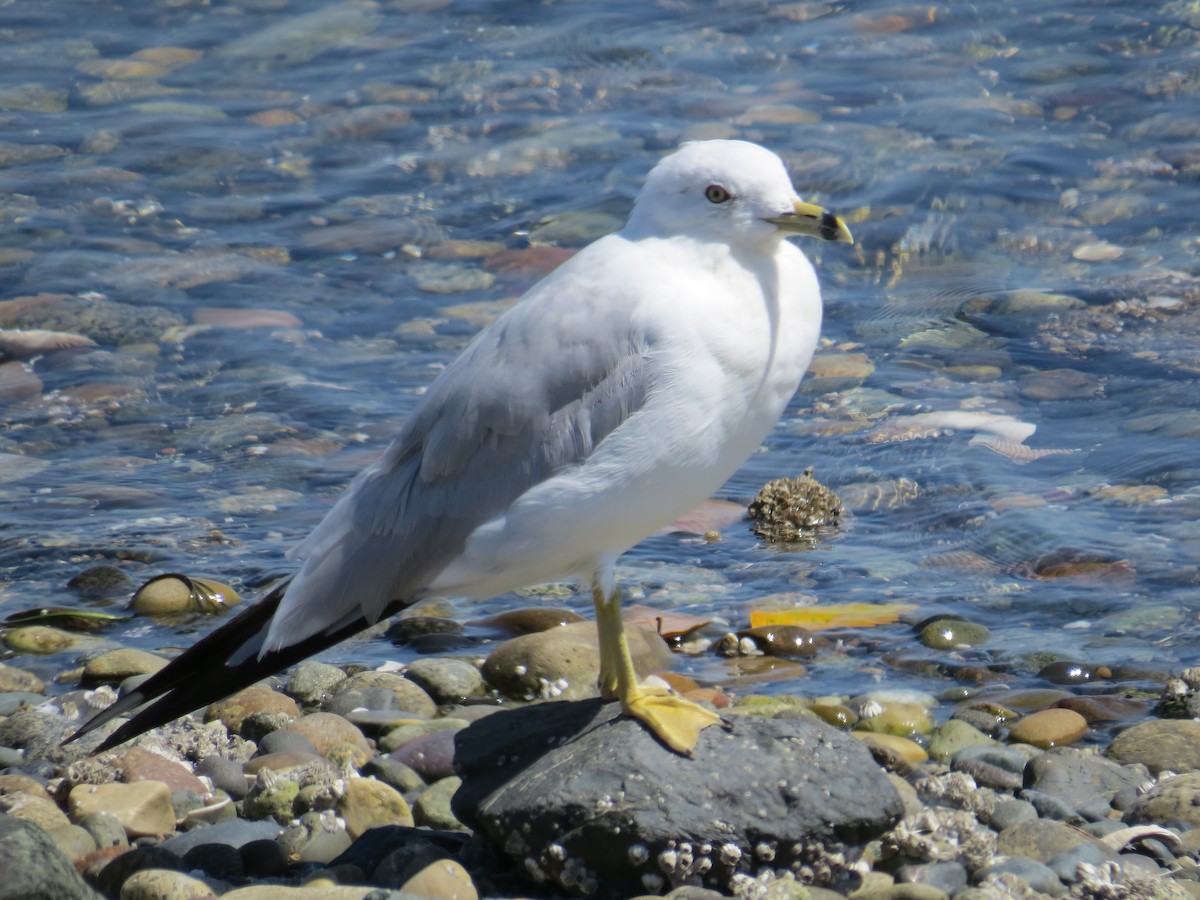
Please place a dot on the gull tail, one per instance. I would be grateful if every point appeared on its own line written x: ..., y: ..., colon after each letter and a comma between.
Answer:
x: 219, y: 664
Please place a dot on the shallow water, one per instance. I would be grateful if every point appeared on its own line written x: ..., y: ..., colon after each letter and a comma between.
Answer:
x: 1021, y: 181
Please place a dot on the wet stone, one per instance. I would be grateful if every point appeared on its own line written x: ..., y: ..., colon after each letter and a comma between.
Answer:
x: 41, y: 810
x: 101, y: 582
x: 1040, y: 839
x: 901, y: 719
x: 34, y: 862
x: 949, y: 738
x: 1049, y: 728
x: 13, y: 679
x: 945, y: 634
x: 38, y: 639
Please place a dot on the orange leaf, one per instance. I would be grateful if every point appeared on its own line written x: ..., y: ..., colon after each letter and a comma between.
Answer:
x: 838, y: 615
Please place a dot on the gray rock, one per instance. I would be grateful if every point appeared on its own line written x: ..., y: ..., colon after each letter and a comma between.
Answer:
x: 1095, y: 810
x: 1038, y: 876
x: 1066, y: 865
x: 1077, y: 777
x: 1011, y: 812
x: 1005, y: 758
x: 1040, y: 839
x: 948, y: 877
x: 311, y: 682
x: 433, y: 809
x: 285, y: 740
x: 34, y: 868
x: 1160, y: 744
x: 571, y: 790
x: 234, y: 833
x: 445, y: 680
x: 1050, y: 807
x: 226, y: 774
x: 11, y: 701
x: 105, y: 828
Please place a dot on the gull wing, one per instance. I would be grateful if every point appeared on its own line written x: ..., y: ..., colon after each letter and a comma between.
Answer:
x: 530, y: 397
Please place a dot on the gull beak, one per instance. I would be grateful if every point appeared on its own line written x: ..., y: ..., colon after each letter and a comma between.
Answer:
x: 813, y: 220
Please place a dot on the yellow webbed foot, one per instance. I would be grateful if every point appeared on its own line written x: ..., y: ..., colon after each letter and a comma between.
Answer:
x: 673, y: 720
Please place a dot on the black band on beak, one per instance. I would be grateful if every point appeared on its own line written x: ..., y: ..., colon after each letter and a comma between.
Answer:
x: 829, y: 226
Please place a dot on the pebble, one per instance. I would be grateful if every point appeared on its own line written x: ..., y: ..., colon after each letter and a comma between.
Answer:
x: 1049, y: 728
x: 163, y: 884
x: 1174, y: 802
x: 137, y: 764
x: 429, y: 755
x: 397, y: 737
x: 433, y: 807
x: 256, y: 699
x: 367, y: 803
x: 444, y: 879
x: 39, y: 640
x: 311, y: 682
x: 1159, y: 744
x: 397, y: 691
x: 334, y: 737
x: 143, y: 808
x: 564, y: 662
x: 446, y: 680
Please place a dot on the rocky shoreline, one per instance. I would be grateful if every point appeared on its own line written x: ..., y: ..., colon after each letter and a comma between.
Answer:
x: 419, y: 782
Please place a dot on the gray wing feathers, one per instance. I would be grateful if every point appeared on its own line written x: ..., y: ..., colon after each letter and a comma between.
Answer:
x: 472, y: 447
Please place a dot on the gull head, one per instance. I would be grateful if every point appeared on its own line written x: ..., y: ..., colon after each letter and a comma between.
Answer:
x: 734, y: 192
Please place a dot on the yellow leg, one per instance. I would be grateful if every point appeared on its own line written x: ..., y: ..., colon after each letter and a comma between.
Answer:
x: 673, y: 720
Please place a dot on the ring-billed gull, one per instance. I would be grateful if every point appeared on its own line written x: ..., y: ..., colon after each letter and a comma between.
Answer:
x: 622, y: 390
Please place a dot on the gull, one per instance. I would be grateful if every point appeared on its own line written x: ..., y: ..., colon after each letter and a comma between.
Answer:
x: 622, y: 390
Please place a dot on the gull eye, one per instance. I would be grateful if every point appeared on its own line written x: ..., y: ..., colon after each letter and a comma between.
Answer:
x: 714, y: 193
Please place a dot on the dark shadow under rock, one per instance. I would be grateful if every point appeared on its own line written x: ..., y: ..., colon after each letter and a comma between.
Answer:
x: 588, y: 800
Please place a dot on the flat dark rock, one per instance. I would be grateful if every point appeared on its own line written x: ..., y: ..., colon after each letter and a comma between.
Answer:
x: 590, y: 801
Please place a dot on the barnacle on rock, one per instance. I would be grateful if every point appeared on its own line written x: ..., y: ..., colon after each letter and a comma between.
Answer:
x: 791, y: 510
